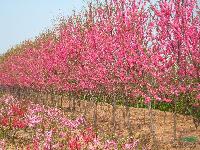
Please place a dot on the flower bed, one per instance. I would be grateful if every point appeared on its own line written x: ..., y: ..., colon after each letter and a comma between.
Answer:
x: 24, y: 124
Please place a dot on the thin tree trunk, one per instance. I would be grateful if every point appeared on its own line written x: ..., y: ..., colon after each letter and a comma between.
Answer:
x: 128, y: 115
x: 144, y: 117
x: 124, y: 112
x: 18, y: 93
x: 47, y: 98
x: 151, y: 126
x: 38, y: 97
x: 128, y: 122
x: 174, y: 121
x: 113, y: 113
x: 79, y: 100
x: 61, y: 100
x: 74, y: 103
x: 85, y: 106
x: 70, y: 102
x: 95, y: 114
x: 52, y: 98
x: 22, y: 92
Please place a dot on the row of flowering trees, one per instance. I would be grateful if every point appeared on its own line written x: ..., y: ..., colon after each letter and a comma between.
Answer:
x: 134, y: 48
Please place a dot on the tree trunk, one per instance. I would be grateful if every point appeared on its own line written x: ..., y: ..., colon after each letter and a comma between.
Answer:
x: 174, y: 121
x: 151, y: 127
x: 74, y: 104
x: 124, y: 112
x: 18, y: 93
x: 113, y: 113
x: 95, y: 113
x: 61, y: 100
x: 52, y: 99
x: 128, y: 115
x: 85, y: 106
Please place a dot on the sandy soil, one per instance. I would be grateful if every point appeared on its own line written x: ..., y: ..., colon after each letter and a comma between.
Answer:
x: 139, y: 118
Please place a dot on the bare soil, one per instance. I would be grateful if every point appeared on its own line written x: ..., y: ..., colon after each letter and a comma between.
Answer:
x: 139, y: 118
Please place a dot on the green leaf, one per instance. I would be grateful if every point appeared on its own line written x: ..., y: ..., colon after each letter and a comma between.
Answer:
x: 191, y: 139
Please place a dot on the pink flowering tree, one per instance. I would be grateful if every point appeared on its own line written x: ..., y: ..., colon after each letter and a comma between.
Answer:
x: 176, y: 39
x: 124, y: 47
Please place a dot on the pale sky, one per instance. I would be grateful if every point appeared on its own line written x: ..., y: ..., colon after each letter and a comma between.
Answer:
x: 24, y: 19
